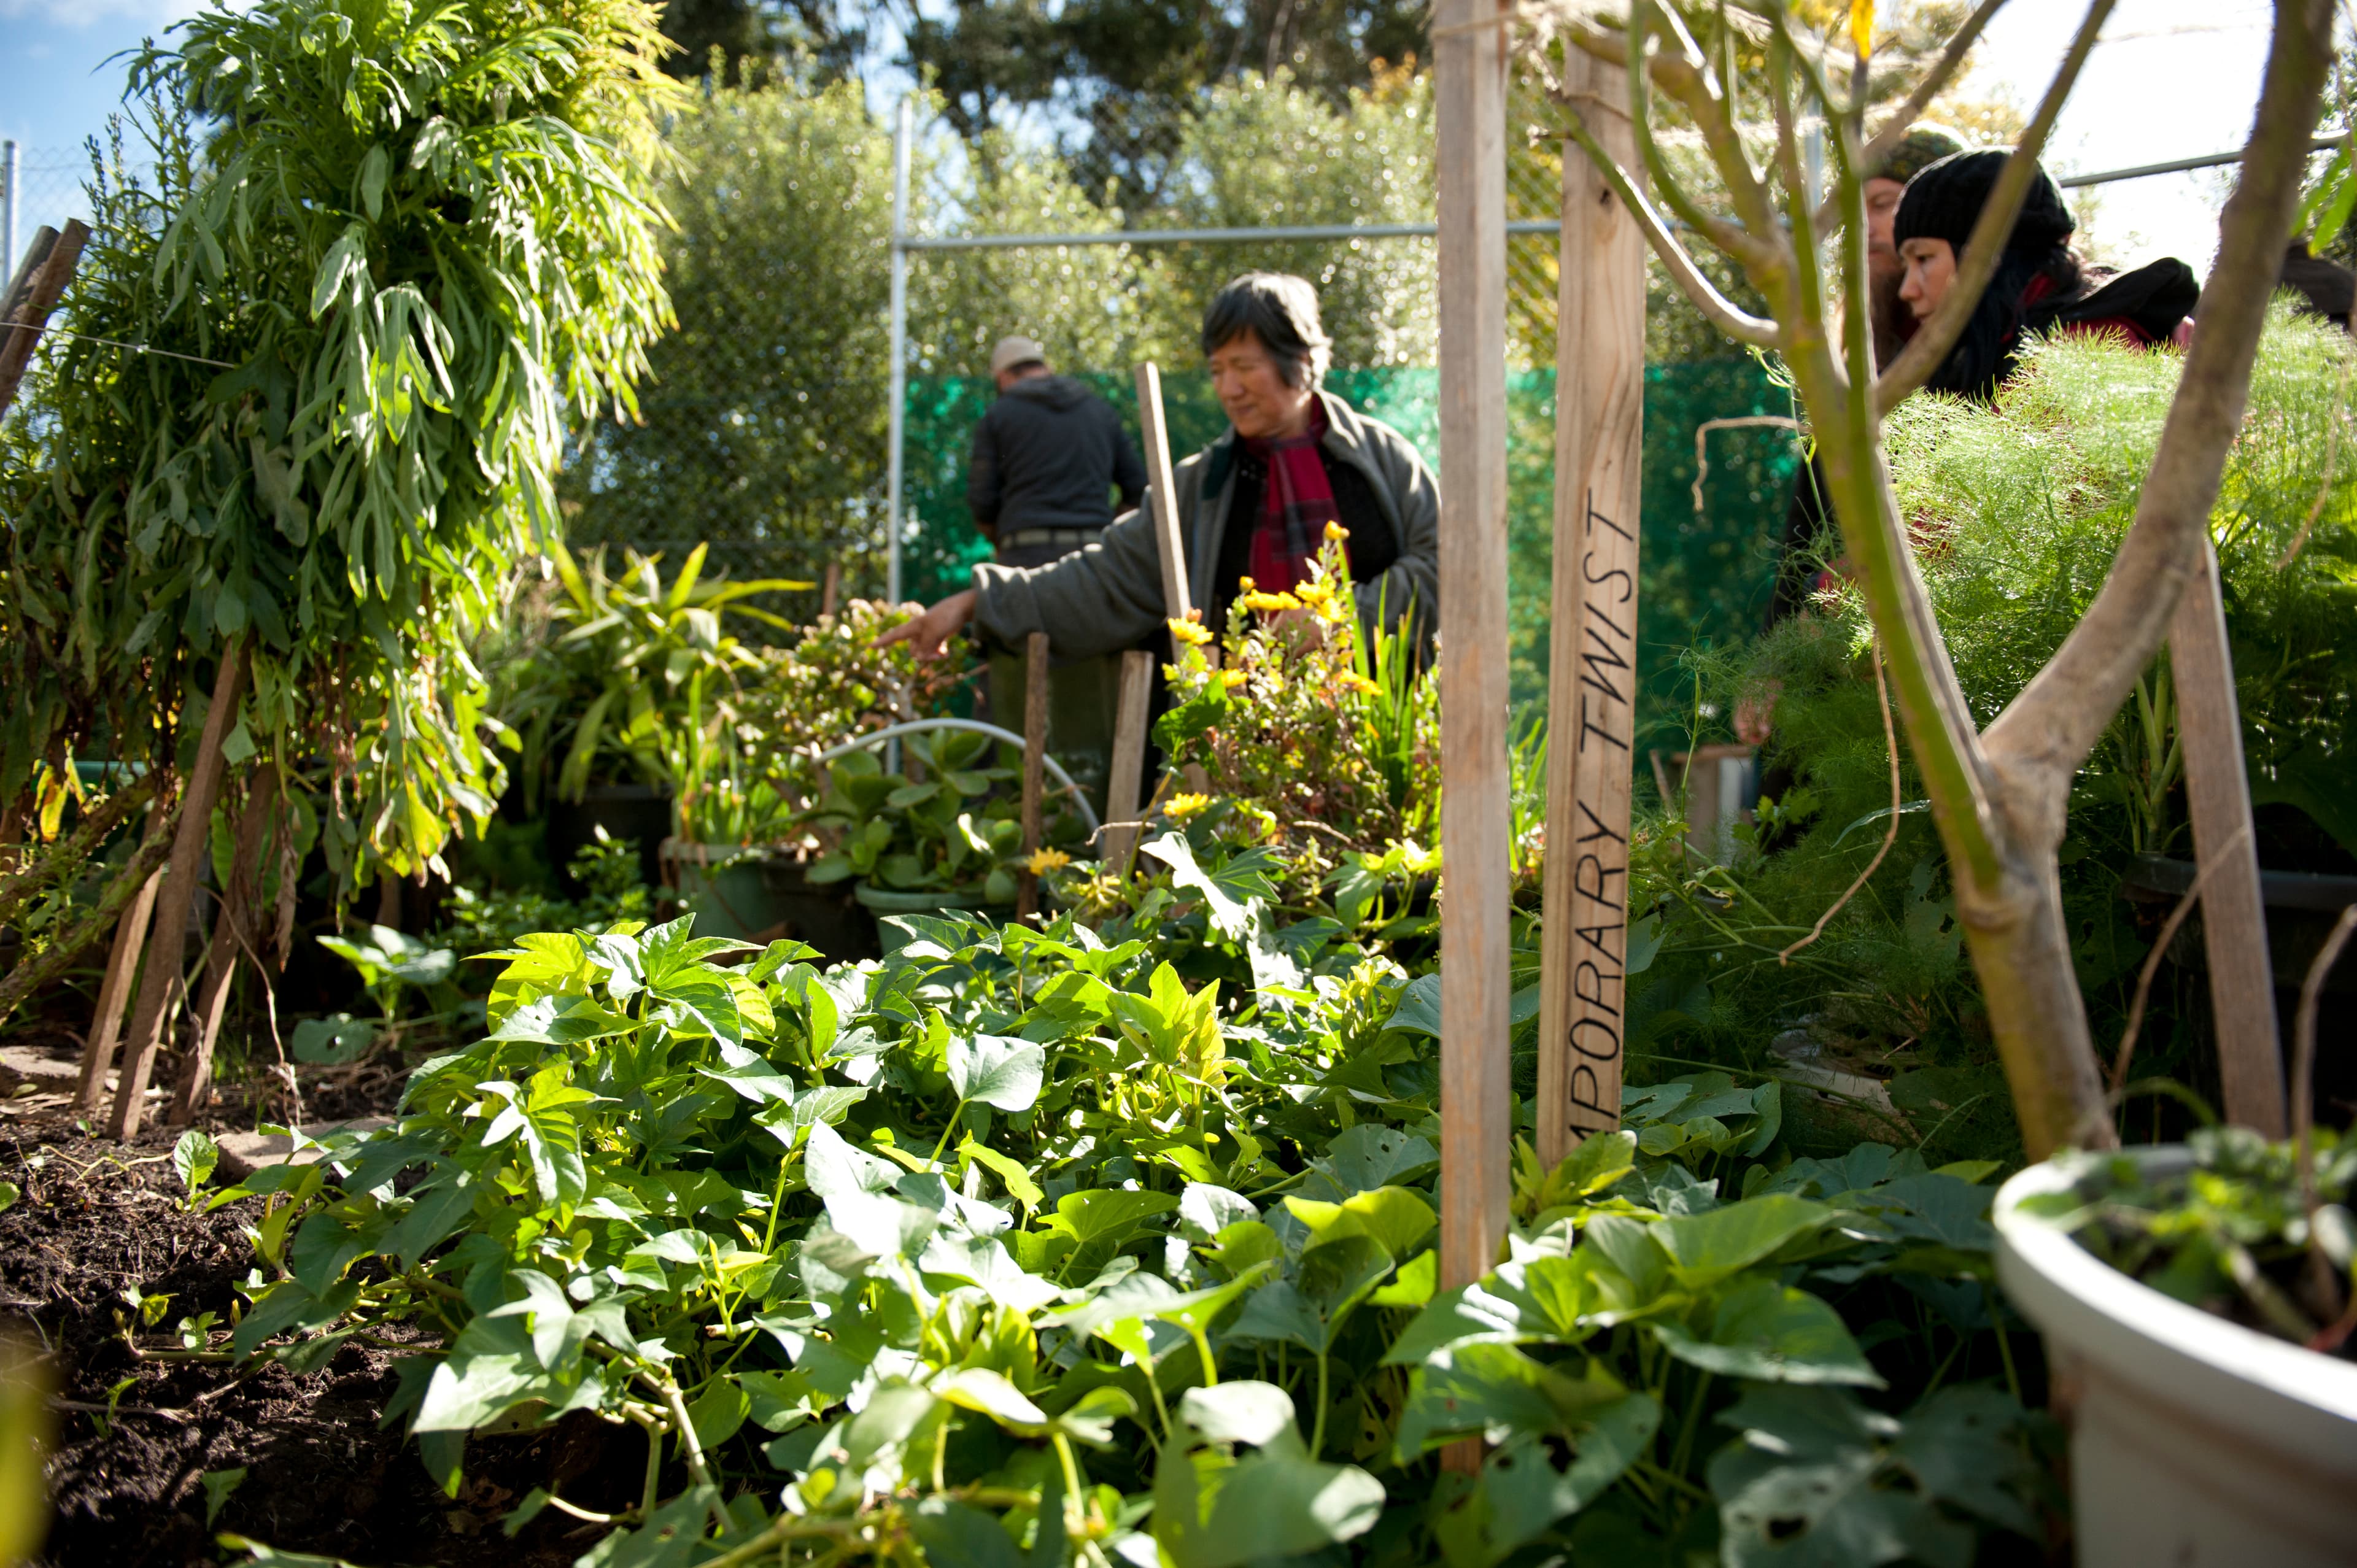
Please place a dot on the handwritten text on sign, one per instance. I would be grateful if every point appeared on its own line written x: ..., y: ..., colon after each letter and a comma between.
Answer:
x: 1599, y: 836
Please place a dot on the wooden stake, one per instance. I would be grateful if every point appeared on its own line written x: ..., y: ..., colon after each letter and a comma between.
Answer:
x: 161, y: 975
x: 1161, y: 488
x: 1129, y: 759
x: 1476, y: 1085
x: 237, y: 905
x: 2233, y: 914
x: 1592, y: 687
x: 830, y: 589
x: 33, y: 293
x: 1035, y: 771
x: 114, y: 992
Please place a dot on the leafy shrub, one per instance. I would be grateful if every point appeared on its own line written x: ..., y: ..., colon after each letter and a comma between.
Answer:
x: 2017, y: 510
x: 414, y: 235
x: 956, y: 832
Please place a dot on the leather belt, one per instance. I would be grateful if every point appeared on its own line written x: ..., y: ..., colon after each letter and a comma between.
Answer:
x: 1030, y: 538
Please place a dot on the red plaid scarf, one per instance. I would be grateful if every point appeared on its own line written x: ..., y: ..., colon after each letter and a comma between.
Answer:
x: 1296, y: 502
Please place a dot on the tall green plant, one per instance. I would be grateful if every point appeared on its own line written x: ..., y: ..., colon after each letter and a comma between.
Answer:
x: 414, y: 236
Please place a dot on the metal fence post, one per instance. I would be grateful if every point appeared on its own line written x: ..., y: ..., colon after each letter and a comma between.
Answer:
x: 897, y: 417
x: 9, y: 223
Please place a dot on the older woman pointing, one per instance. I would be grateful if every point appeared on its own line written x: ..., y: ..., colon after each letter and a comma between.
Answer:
x: 1255, y: 503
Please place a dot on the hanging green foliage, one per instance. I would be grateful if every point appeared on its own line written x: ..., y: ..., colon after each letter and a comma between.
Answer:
x: 413, y: 237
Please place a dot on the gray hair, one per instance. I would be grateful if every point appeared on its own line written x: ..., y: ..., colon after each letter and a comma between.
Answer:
x: 1279, y: 309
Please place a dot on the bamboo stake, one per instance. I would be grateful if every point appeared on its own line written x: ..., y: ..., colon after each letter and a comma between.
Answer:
x: 1128, y: 767
x: 33, y: 293
x: 237, y: 904
x: 1035, y: 771
x: 114, y: 992
x: 1600, y: 409
x: 1477, y: 1094
x: 2234, y: 913
x: 161, y: 976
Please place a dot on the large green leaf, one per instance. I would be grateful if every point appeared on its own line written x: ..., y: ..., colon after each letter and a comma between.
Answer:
x: 1211, y: 1511
x: 998, y: 1071
x: 1703, y: 1248
x: 1775, y: 1333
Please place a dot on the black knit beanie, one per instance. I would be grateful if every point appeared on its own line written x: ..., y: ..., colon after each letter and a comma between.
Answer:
x: 1944, y: 201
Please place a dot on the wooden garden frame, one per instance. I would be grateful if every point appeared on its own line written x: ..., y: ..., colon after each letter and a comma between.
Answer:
x: 1600, y: 355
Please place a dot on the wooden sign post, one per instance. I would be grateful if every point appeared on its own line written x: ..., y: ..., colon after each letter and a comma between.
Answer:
x: 1035, y: 767
x: 1592, y: 682
x: 1469, y: 48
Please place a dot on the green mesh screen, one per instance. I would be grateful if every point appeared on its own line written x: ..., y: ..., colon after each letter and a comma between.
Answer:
x: 1707, y: 570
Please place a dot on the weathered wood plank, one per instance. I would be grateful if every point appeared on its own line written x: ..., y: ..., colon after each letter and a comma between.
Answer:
x: 1476, y: 1095
x: 2233, y: 914
x: 1035, y: 770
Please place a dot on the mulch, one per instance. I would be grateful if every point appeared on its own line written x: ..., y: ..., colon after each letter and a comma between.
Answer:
x: 128, y: 1492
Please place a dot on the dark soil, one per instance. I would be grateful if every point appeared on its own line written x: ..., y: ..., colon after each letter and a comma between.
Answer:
x: 128, y: 1492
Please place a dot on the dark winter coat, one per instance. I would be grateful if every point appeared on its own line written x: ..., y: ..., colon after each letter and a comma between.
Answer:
x: 1049, y: 454
x: 1109, y: 595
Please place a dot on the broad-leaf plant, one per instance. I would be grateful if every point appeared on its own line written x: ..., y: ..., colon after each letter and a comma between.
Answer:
x: 1014, y: 1247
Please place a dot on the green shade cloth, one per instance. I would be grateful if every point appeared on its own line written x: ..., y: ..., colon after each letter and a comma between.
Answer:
x: 1706, y: 573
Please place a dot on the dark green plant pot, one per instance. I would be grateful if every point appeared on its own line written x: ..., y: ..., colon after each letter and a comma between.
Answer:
x: 636, y: 814
x: 759, y: 895
x: 884, y: 902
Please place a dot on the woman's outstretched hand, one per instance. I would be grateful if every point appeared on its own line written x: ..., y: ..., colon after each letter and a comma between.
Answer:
x: 928, y: 634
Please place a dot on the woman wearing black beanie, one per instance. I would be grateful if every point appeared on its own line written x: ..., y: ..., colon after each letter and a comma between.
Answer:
x: 2041, y: 285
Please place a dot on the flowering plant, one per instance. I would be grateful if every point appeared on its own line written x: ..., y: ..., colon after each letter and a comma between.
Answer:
x: 1326, y: 746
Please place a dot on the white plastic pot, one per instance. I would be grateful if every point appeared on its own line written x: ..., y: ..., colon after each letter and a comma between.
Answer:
x: 2195, y: 1443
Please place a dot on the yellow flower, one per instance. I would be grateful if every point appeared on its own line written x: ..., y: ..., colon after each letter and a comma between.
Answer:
x: 1244, y: 585
x: 1231, y: 678
x: 1178, y: 807
x: 1044, y: 861
x: 1355, y: 682
x: 1271, y: 601
x: 1336, y: 533
x: 1191, y: 633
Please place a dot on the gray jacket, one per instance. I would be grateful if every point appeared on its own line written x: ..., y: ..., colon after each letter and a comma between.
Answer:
x: 1109, y: 595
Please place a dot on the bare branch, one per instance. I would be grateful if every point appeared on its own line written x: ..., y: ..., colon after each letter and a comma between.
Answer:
x: 1942, y: 72
x: 1757, y: 246
x: 1805, y: 312
x: 1932, y: 341
x: 2050, y: 729
x: 1723, y: 312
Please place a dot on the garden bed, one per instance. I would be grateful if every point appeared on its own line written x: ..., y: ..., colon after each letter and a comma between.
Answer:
x: 321, y: 1474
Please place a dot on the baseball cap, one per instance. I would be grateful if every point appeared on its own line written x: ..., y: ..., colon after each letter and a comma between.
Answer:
x: 1014, y: 352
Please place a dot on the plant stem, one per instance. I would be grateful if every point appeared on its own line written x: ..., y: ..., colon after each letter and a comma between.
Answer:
x: 1318, y: 1427
x: 1203, y: 1349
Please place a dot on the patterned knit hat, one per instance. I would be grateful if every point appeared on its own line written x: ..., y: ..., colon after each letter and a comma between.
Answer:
x: 1918, y: 150
x: 1944, y: 201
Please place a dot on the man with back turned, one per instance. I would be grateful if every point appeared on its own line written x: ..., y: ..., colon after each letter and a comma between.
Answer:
x: 1046, y: 460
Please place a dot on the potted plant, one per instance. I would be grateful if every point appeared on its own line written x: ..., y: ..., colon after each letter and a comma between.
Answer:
x: 2197, y: 1305
x: 951, y: 840
x: 609, y: 709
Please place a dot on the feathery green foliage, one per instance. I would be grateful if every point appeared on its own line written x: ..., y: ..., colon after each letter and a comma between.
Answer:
x: 416, y: 235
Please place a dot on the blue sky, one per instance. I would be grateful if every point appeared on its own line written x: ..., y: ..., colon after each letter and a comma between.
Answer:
x: 2174, y: 79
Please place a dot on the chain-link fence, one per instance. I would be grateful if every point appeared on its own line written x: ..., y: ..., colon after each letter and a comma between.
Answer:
x: 39, y: 186
x: 764, y: 427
